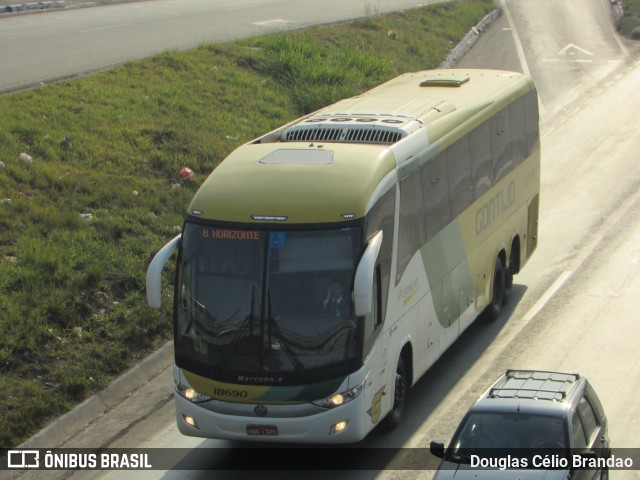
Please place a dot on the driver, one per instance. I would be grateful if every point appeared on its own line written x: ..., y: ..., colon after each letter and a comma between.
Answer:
x: 336, y: 303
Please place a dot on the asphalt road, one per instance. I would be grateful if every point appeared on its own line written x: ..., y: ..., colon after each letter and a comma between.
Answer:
x: 573, y: 306
x: 39, y: 48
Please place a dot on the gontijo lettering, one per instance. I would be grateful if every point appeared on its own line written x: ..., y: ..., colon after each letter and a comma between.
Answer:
x: 495, y: 207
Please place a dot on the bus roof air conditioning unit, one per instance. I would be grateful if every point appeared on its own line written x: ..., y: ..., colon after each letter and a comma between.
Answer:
x: 374, y: 129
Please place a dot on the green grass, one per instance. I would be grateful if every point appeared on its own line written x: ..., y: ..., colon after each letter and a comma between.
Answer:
x: 629, y: 24
x: 103, y: 193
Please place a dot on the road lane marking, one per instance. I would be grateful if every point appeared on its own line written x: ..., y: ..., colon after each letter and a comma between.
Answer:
x: 276, y: 22
x: 544, y: 299
x: 519, y: 49
x: 106, y: 28
x: 516, y: 38
x: 572, y: 46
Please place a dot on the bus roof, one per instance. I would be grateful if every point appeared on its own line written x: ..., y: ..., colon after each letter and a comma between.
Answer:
x: 328, y: 166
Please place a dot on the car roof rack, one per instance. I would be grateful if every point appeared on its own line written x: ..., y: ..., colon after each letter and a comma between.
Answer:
x: 534, y: 384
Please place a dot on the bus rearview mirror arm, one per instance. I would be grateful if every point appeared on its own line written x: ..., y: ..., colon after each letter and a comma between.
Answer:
x: 363, y: 283
x: 154, y: 272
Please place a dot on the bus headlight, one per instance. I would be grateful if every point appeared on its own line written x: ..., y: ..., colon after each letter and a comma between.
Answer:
x: 341, y: 398
x: 339, y: 427
x: 191, y: 394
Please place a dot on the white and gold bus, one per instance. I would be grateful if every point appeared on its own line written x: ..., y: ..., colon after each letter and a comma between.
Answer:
x: 325, y: 266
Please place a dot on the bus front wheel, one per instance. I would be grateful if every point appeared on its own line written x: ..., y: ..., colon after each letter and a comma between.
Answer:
x: 401, y: 392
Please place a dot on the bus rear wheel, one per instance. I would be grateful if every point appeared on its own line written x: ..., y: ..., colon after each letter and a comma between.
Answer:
x: 401, y: 392
x: 499, y: 287
x: 508, y: 279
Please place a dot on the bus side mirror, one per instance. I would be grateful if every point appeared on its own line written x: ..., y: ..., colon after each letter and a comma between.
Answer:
x: 363, y: 283
x: 437, y: 449
x: 154, y: 278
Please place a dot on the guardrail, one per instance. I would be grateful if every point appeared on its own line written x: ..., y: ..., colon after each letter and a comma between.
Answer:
x: 31, y: 6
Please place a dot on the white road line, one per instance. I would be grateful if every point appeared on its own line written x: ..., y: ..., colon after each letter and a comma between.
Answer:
x: 571, y: 47
x: 519, y: 48
x: 544, y: 299
x: 516, y: 39
x: 106, y: 28
x: 274, y: 23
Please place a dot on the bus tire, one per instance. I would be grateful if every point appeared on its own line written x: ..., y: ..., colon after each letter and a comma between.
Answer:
x: 400, y: 394
x: 497, y: 297
x: 508, y: 278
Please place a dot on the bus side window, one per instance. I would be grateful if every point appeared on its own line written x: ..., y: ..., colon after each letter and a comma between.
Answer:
x: 435, y: 190
x: 531, y: 120
x: 380, y: 217
x: 373, y: 320
x: 413, y: 230
x: 481, y: 160
x: 501, y: 144
x: 459, y: 174
x: 518, y: 131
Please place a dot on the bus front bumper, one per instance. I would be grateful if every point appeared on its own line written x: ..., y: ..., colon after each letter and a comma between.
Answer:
x: 344, y: 424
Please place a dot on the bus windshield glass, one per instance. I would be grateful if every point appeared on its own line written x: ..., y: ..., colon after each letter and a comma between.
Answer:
x: 252, y: 303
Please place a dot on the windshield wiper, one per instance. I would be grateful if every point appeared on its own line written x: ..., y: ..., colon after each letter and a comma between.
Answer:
x: 240, y: 332
x: 284, y: 343
x: 459, y: 458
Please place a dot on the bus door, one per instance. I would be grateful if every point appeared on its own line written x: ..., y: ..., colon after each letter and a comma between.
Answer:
x: 379, y: 376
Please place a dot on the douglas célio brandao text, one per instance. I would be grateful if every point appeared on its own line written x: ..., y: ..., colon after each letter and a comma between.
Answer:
x: 575, y: 461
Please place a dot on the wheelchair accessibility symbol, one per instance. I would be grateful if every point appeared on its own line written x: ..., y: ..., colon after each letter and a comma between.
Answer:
x: 276, y: 239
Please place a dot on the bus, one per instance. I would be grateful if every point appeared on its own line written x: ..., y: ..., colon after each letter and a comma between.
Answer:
x: 325, y: 266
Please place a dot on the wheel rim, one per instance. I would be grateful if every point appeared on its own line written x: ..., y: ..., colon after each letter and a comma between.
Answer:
x: 399, y: 395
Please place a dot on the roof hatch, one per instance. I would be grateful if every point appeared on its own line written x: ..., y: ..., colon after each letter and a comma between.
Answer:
x: 299, y: 157
x: 442, y: 81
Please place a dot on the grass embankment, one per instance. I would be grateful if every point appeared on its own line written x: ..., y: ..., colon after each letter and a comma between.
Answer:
x: 80, y: 223
x: 629, y: 24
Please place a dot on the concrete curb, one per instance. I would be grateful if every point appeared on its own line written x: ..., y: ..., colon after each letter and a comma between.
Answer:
x: 27, y: 7
x: 470, y: 39
x: 62, y: 430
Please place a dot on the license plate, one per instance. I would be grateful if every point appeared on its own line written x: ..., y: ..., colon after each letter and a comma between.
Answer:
x: 262, y: 430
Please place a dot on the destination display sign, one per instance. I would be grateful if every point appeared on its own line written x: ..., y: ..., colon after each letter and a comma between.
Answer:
x: 229, y: 234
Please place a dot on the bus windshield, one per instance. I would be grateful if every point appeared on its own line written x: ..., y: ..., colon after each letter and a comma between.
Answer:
x: 256, y: 303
